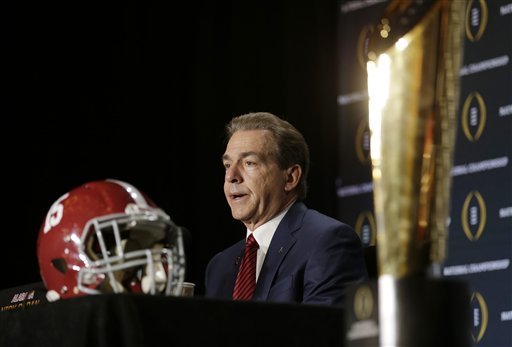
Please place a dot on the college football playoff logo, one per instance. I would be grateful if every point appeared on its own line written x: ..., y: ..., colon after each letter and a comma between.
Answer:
x: 476, y: 19
x: 474, y: 215
x: 365, y: 228
x: 474, y: 115
x: 480, y: 316
x: 363, y: 303
x: 362, y: 140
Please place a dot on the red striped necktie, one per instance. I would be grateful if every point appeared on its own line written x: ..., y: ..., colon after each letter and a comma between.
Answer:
x: 246, y: 279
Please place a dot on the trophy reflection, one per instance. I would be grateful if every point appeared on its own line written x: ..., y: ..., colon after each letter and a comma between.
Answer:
x: 413, y: 66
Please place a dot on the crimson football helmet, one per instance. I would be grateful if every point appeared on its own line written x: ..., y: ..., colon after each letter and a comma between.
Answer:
x: 108, y: 237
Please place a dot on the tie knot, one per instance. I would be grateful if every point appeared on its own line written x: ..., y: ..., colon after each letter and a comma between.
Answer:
x: 251, y: 242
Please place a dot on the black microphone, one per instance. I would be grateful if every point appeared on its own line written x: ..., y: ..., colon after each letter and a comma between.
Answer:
x: 237, y: 260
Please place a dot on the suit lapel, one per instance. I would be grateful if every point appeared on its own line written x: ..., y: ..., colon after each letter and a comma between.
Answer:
x: 282, y: 241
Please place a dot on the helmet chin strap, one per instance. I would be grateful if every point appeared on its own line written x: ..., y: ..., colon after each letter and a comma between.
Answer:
x: 155, y: 274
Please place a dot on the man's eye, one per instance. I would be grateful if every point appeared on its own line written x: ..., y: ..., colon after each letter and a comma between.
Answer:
x: 250, y: 163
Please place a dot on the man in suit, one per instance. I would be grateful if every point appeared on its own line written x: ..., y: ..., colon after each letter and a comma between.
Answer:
x: 303, y: 256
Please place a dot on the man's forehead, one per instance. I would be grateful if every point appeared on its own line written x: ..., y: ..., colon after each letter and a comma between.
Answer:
x: 245, y: 143
x: 250, y: 141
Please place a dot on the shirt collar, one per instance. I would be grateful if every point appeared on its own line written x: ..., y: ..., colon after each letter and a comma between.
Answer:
x: 264, y: 233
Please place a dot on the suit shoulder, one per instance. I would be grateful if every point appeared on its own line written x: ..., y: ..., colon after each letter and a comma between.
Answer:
x: 319, y: 228
x: 314, y: 217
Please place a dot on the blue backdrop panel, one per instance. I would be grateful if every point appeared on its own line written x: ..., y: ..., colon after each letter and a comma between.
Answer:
x: 480, y: 232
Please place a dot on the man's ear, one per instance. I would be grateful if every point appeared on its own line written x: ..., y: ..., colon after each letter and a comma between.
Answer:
x: 293, y: 175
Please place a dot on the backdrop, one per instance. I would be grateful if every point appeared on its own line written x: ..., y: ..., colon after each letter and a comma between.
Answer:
x: 480, y: 231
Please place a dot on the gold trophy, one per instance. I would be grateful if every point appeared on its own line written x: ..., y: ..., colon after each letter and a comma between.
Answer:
x: 414, y: 57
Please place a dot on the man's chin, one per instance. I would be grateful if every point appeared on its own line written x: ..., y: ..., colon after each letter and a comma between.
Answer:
x: 238, y: 215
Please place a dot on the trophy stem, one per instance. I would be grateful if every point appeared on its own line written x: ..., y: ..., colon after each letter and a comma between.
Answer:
x: 413, y: 69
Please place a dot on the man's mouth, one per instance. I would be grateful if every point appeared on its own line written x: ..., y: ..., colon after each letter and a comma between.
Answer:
x: 236, y: 196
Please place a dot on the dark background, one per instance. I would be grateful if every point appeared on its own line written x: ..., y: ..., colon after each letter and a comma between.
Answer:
x: 141, y: 92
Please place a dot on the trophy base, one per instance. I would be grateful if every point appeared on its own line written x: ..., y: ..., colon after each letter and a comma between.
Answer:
x: 412, y: 311
x: 421, y: 311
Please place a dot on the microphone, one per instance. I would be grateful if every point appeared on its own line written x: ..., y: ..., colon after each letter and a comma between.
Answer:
x: 237, y: 260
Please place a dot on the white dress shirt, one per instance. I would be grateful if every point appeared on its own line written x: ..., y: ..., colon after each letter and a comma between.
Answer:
x: 263, y: 235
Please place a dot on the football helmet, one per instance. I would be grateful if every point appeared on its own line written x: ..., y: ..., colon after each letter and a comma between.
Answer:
x: 109, y: 237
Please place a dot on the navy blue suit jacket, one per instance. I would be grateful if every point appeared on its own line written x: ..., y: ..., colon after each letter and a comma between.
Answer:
x: 311, y: 259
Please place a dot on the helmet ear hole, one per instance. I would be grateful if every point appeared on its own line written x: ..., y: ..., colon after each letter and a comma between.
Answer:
x: 60, y: 264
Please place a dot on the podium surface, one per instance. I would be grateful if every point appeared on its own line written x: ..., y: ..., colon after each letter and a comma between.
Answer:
x: 144, y: 320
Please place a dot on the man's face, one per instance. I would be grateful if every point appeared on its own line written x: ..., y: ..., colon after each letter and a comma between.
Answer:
x: 255, y: 187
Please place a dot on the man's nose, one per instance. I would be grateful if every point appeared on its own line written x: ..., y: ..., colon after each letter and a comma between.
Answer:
x: 233, y: 174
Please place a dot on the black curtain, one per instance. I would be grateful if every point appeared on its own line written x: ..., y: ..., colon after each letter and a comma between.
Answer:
x: 141, y: 92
